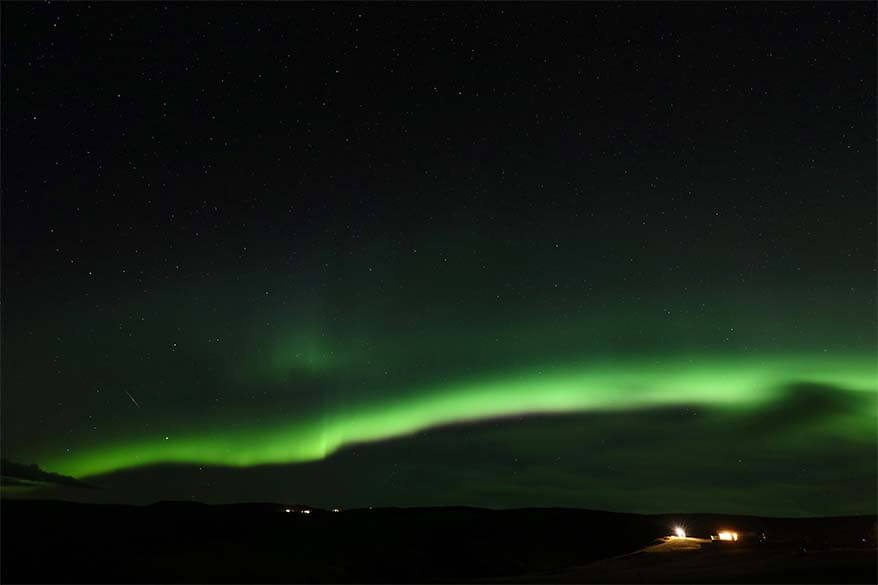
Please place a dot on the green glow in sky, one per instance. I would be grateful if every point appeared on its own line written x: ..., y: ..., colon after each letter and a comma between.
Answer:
x: 731, y: 384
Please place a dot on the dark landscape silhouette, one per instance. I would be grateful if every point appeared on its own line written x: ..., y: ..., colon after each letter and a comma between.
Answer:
x: 187, y: 542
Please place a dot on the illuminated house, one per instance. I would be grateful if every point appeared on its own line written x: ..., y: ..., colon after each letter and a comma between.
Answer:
x: 725, y: 536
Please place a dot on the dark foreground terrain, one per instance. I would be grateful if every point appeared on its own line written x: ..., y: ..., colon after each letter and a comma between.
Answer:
x: 182, y: 542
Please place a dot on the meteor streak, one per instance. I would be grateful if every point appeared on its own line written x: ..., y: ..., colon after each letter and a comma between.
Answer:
x: 132, y: 399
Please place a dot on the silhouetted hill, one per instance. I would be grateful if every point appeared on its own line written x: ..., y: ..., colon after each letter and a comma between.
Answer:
x: 50, y: 541
x: 12, y: 473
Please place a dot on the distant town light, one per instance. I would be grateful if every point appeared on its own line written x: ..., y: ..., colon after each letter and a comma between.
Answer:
x: 336, y: 510
x: 680, y: 532
x: 306, y: 511
x: 728, y: 535
x: 287, y: 510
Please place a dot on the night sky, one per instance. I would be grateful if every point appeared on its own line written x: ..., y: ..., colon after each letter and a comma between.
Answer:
x: 619, y: 257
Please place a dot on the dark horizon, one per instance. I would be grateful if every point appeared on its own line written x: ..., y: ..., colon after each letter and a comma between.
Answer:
x: 296, y: 507
x: 259, y: 544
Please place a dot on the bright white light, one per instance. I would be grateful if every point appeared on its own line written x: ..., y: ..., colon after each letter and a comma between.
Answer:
x: 336, y: 510
x: 287, y: 510
x: 680, y: 532
x: 727, y: 535
x: 306, y: 511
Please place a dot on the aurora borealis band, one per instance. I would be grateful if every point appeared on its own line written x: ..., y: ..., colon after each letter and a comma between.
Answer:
x: 616, y: 257
x: 735, y: 384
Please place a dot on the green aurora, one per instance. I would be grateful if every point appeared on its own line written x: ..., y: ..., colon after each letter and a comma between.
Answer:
x: 733, y: 384
x: 293, y: 381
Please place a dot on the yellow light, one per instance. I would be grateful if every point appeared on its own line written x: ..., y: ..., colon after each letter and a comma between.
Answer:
x: 728, y: 535
x: 680, y: 532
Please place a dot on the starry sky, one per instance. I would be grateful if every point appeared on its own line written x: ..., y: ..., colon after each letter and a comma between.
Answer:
x: 612, y: 256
